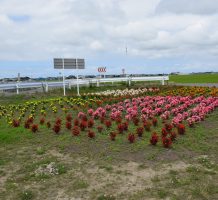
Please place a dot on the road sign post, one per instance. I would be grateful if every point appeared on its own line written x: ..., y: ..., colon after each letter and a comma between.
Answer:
x: 77, y: 78
x: 69, y: 63
x: 103, y: 71
x: 64, y: 88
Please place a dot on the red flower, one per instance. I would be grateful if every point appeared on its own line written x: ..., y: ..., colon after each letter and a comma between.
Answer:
x: 100, y: 128
x: 168, y: 127
x: 83, y: 125
x: 120, y: 128
x: 76, y: 122
x: 57, y: 128
x: 173, y: 135
x: 75, y: 131
x: 164, y: 132
x: 125, y: 126
x: 68, y: 125
x: 84, y: 118
x: 91, y: 134
x: 154, y: 122
x: 15, y: 123
x: 131, y: 138
x: 118, y: 120
x: 69, y: 118
x: 181, y: 129
x: 34, y: 128
x: 136, y: 121
x: 147, y: 125
x: 42, y: 121
x: 113, y: 135
x: 26, y: 125
x: 30, y: 120
x: 140, y: 131
x: 48, y: 124
x: 102, y: 119
x: 58, y: 121
x: 90, y: 123
x: 167, y: 142
x: 154, y: 139
x: 108, y: 123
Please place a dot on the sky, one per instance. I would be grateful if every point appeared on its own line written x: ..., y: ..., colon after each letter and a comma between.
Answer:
x: 160, y: 36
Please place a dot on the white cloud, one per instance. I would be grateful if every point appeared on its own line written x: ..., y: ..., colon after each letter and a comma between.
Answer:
x: 86, y: 28
x: 96, y: 45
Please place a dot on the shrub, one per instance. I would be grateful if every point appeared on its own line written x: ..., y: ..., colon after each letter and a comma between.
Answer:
x: 48, y: 124
x: 83, y: 125
x: 181, y: 129
x: 90, y: 123
x: 140, y: 131
x: 167, y: 142
x: 30, y: 120
x: 15, y: 123
x: 154, y: 139
x: 136, y: 121
x: 164, y: 132
x: 85, y: 118
x: 102, y: 120
x: 147, y: 125
x: 113, y: 135
x: 168, y: 127
x: 34, y: 128
x: 100, y: 128
x: 125, y: 126
x: 69, y: 118
x: 26, y: 125
x: 76, y: 122
x: 131, y: 137
x: 173, y: 135
x: 108, y: 123
x: 68, y: 125
x: 58, y: 121
x: 154, y: 122
x: 75, y: 131
x: 120, y: 128
x: 118, y: 120
x: 57, y: 128
x: 42, y: 121
x: 91, y: 134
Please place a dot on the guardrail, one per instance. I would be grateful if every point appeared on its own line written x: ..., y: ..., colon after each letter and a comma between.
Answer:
x: 73, y: 82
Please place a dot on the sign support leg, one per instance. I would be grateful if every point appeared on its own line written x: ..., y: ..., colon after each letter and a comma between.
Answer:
x: 77, y: 77
x: 63, y: 79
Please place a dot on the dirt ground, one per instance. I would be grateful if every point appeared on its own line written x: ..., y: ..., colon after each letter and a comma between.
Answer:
x: 61, y: 167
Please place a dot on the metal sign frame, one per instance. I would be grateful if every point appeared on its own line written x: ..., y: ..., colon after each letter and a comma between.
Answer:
x: 69, y: 63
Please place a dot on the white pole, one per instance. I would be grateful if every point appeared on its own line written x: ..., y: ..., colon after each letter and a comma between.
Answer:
x: 77, y: 77
x: 18, y: 82
x: 17, y: 86
x: 46, y: 87
x: 63, y: 78
x: 163, y: 80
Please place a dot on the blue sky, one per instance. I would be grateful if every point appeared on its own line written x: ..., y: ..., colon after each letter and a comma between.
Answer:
x: 19, y: 18
x: 162, y: 36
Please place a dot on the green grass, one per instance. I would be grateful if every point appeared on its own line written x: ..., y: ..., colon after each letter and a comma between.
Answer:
x: 99, y: 168
x: 194, y: 78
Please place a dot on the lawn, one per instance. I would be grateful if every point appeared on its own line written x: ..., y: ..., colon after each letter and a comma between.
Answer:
x: 195, y: 78
x: 45, y: 165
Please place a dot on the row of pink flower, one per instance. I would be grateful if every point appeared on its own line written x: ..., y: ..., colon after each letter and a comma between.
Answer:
x: 179, y: 108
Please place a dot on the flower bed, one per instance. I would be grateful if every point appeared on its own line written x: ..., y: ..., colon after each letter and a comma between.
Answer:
x: 125, y: 92
x: 156, y: 119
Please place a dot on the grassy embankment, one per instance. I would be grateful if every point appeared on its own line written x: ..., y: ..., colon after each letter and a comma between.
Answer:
x: 195, y: 78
